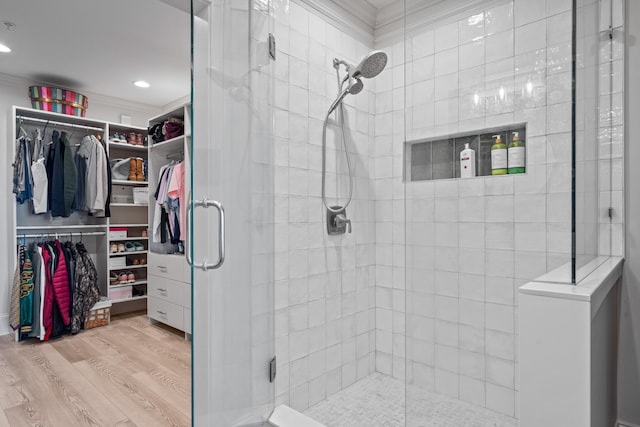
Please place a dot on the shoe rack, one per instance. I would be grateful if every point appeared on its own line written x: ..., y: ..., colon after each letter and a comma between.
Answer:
x: 128, y: 243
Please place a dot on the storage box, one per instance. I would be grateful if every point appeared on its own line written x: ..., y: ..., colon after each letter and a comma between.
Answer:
x: 49, y: 98
x: 118, y: 261
x: 99, y: 315
x: 120, y: 293
x: 117, y: 233
x: 141, y: 195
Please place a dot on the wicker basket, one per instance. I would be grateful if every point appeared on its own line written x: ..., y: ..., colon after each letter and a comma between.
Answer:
x: 57, y: 100
x: 99, y: 315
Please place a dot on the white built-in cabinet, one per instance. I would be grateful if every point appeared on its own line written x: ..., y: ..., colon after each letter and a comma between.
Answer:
x: 169, y: 299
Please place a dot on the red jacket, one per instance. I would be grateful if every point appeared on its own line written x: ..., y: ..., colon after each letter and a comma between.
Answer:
x: 47, y: 310
x: 61, y: 289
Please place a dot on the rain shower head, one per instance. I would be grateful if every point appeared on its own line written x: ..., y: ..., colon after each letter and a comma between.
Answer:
x: 370, y: 66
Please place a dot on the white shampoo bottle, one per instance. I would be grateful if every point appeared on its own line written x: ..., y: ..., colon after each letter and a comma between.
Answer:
x: 467, y: 162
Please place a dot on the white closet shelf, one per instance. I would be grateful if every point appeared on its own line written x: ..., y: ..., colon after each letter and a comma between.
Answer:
x: 126, y: 146
x: 125, y: 239
x: 128, y: 267
x: 112, y: 225
x: 60, y: 227
x: 115, y: 301
x: 169, y: 146
x: 122, y: 285
x: 127, y: 182
x: 120, y: 126
x: 127, y: 253
x: 128, y: 205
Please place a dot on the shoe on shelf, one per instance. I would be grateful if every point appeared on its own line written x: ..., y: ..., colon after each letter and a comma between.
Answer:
x: 115, y: 138
x: 144, y: 233
x: 122, y: 138
x: 131, y: 138
x: 138, y: 246
x: 139, y: 171
x: 139, y: 140
x: 129, y: 247
x: 113, y: 279
x: 121, y: 247
x: 143, y: 261
x: 131, y: 277
x: 132, y: 169
x: 135, y: 261
x: 122, y: 278
x: 113, y: 248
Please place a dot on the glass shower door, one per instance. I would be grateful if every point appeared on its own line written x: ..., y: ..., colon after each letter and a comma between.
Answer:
x: 231, y: 213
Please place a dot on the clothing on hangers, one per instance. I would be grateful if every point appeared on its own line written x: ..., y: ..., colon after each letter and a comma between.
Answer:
x: 57, y: 285
x: 169, y: 216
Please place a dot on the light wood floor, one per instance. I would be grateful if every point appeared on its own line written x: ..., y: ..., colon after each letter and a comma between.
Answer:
x: 129, y: 373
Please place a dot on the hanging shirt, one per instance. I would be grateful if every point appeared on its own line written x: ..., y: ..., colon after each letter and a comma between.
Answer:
x: 176, y: 192
x: 39, y: 174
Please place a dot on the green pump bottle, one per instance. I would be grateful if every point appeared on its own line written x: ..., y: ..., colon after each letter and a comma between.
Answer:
x: 498, y: 157
x: 516, y: 155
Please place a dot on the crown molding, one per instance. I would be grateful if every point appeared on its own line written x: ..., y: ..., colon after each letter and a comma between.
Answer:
x: 354, y: 17
x: 391, y: 24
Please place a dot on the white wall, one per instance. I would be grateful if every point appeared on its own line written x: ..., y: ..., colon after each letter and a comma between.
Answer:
x: 629, y: 346
x: 324, y: 284
x: 13, y: 91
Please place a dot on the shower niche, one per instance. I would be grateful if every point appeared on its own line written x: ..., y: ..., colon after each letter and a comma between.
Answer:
x: 439, y: 157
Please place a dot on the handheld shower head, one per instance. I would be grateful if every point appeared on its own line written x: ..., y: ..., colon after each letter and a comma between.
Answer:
x: 355, y: 87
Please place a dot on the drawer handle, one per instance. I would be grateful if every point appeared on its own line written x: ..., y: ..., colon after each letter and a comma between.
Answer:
x: 162, y: 313
x: 162, y: 267
x: 162, y: 290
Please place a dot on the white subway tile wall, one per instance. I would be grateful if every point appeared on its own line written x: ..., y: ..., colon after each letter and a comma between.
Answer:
x: 325, y: 285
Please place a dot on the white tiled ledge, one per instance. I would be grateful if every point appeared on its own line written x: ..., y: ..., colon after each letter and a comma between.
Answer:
x: 593, y: 288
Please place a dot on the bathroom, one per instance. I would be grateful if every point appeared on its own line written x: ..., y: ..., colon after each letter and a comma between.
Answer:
x: 348, y: 274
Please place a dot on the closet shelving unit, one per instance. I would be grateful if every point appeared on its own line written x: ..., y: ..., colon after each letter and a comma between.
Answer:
x: 169, y: 298
x: 123, y: 211
x: 94, y: 232
x: 26, y: 226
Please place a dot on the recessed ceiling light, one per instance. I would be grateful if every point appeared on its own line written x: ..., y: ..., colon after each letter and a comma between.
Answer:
x: 4, y: 49
x: 141, y: 83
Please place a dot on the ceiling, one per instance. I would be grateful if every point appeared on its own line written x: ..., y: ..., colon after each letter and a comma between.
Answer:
x: 100, y: 46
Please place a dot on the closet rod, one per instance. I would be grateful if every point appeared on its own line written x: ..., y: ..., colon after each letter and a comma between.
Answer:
x: 33, y: 236
x: 52, y: 122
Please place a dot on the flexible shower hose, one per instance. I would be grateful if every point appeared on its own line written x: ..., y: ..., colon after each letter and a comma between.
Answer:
x: 340, y: 119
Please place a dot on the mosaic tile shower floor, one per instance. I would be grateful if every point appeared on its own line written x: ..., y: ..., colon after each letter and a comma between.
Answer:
x: 378, y: 401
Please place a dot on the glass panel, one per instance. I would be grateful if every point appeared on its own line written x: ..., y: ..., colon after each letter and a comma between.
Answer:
x: 598, y: 133
x: 233, y: 335
x: 472, y: 242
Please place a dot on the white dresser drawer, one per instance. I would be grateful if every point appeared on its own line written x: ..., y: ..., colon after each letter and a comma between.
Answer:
x: 169, y: 290
x: 165, y: 312
x: 169, y: 266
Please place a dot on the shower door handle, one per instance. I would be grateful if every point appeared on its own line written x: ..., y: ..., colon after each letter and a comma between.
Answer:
x: 205, y: 203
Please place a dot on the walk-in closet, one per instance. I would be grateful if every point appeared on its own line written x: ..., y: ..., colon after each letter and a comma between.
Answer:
x: 95, y: 307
